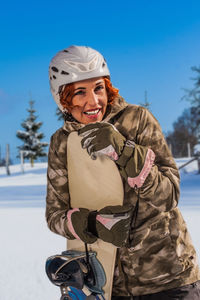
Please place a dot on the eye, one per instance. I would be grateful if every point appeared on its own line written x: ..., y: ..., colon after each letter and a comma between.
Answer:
x: 99, y: 87
x: 80, y: 92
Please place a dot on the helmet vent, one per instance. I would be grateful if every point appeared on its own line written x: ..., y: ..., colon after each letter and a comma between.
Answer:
x: 54, y: 69
x: 64, y: 73
x: 65, y: 51
x: 82, y: 67
x: 92, y: 65
x: 54, y: 77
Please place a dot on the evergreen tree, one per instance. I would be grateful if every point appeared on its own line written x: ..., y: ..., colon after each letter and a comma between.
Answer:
x: 187, y: 128
x: 32, y: 147
x: 193, y: 96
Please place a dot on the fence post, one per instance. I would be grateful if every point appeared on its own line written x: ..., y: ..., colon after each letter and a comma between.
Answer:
x: 7, y: 159
x: 22, y: 160
x: 198, y: 163
x: 189, y: 149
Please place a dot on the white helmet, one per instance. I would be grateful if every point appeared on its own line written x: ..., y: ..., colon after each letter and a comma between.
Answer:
x: 74, y: 64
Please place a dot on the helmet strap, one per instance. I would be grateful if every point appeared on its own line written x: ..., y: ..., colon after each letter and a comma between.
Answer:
x: 68, y: 117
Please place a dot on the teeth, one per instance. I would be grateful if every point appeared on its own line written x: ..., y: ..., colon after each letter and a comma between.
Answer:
x: 94, y: 112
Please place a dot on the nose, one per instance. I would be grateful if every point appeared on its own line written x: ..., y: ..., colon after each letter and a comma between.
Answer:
x: 92, y: 99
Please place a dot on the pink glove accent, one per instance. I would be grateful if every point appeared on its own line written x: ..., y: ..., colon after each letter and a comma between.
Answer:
x: 70, y: 225
x: 113, y: 155
x: 110, y: 152
x: 107, y: 222
x: 139, y: 180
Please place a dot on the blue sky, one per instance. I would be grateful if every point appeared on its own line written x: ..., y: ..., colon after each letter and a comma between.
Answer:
x: 149, y: 45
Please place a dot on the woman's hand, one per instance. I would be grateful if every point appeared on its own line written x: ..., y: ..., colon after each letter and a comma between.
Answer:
x: 77, y: 223
x: 112, y: 224
x: 102, y: 139
x: 134, y: 161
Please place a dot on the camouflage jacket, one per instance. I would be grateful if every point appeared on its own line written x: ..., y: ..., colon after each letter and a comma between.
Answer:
x: 161, y: 255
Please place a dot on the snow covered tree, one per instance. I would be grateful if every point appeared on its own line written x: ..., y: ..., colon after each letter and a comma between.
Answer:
x: 193, y: 96
x: 32, y: 147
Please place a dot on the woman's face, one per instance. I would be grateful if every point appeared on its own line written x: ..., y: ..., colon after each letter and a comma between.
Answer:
x: 89, y: 100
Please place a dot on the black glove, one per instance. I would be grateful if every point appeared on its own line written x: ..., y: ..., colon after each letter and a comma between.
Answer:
x: 102, y: 139
x: 77, y: 223
x: 111, y: 224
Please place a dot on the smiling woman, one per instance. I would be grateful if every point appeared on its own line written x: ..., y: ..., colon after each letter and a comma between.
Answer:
x: 155, y: 255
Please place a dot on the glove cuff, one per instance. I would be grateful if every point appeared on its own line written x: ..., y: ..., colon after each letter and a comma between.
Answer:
x: 70, y: 223
x: 127, y: 152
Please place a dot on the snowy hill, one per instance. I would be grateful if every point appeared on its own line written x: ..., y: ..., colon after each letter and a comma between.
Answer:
x: 26, y: 241
x: 190, y: 183
x: 26, y: 189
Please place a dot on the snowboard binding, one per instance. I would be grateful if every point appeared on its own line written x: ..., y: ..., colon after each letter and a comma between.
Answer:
x: 78, y: 274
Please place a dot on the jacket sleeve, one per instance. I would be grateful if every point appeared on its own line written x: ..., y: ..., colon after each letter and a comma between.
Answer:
x: 57, y: 199
x: 151, y: 167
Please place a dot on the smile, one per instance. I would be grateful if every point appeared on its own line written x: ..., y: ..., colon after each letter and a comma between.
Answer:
x: 92, y: 112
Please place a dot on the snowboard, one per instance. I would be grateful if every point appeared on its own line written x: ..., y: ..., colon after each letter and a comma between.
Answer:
x: 93, y: 184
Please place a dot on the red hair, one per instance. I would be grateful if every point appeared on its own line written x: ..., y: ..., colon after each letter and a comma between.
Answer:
x: 66, y: 93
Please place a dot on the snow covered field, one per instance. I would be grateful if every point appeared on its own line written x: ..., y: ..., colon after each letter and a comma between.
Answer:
x: 26, y: 241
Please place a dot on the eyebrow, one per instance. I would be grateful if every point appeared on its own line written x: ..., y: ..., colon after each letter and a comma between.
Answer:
x: 99, y: 82
x: 80, y: 88
x: 83, y: 88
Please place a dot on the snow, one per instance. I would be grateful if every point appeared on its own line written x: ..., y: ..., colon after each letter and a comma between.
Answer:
x: 26, y: 242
